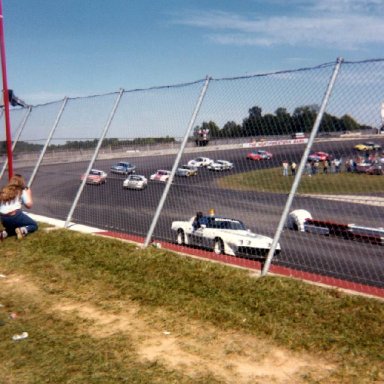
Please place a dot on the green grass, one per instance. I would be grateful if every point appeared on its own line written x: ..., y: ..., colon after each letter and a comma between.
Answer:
x: 272, y: 180
x: 346, y: 330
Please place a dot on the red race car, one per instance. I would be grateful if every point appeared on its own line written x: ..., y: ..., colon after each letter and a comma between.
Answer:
x: 319, y: 156
x: 96, y: 177
x: 259, y: 154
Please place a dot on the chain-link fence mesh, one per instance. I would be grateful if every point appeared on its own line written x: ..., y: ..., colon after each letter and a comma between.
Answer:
x: 256, y: 132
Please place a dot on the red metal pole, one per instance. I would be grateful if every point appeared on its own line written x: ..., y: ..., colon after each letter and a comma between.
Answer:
x: 5, y: 95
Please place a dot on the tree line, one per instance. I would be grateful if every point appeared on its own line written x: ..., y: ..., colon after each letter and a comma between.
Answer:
x: 282, y: 123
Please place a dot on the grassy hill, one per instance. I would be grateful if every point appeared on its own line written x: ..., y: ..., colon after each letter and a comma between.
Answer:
x: 99, y: 310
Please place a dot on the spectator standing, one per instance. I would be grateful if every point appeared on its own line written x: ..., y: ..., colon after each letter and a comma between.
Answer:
x: 348, y: 167
x: 333, y: 166
x: 308, y: 168
x: 337, y: 165
x: 315, y: 167
x: 293, y: 168
x: 325, y: 166
x: 13, y: 197
x: 285, y: 168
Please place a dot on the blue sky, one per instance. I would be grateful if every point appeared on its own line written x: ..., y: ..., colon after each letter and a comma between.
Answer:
x: 83, y: 47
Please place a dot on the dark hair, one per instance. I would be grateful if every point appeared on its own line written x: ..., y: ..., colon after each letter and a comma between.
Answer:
x: 17, y: 181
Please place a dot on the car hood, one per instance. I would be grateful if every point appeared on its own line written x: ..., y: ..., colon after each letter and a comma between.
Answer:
x: 182, y: 171
x: 249, y: 236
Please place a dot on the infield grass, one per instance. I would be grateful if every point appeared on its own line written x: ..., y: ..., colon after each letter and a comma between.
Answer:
x: 51, y: 271
x: 272, y: 180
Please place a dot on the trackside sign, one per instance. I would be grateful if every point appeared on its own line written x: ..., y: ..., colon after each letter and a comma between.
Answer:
x: 270, y: 143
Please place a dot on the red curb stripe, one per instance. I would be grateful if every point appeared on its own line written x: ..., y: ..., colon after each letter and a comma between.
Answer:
x: 256, y: 265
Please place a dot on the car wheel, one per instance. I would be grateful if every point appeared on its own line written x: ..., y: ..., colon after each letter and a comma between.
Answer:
x: 180, y: 237
x: 218, y: 246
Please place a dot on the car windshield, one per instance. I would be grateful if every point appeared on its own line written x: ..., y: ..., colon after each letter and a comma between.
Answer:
x: 95, y: 173
x: 222, y: 223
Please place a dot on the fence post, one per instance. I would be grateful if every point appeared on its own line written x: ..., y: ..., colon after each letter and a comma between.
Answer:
x: 42, y: 153
x: 300, y: 170
x: 96, y: 152
x: 20, y: 129
x: 176, y: 163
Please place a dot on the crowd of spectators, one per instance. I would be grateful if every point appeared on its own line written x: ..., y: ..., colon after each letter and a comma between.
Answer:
x: 358, y: 163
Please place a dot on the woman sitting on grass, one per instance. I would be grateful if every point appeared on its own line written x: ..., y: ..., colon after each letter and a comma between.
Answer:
x: 12, y: 197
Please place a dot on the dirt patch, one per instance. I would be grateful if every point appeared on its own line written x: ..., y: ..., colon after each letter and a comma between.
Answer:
x: 180, y: 344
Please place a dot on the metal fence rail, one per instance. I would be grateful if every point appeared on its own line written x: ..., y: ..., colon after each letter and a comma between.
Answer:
x: 336, y: 105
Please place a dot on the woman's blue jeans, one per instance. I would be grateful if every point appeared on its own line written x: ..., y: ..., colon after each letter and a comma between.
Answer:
x: 20, y: 219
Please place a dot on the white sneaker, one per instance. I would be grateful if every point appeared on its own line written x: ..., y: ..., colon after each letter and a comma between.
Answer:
x: 3, y: 235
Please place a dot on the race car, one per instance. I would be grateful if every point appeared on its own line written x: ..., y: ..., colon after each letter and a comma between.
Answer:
x: 222, y: 235
x: 375, y: 169
x: 186, y: 171
x: 123, y: 168
x: 368, y: 146
x: 95, y: 176
x: 220, y: 165
x: 200, y: 162
x: 135, y: 182
x: 319, y: 156
x: 160, y: 175
x: 259, y: 154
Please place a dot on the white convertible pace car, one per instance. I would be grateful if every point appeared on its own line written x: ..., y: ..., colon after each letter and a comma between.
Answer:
x: 222, y: 235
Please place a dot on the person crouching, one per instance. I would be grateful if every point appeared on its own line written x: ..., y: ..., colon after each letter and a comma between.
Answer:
x: 13, y: 197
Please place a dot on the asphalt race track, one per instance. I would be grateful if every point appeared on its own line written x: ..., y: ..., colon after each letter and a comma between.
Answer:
x: 110, y: 207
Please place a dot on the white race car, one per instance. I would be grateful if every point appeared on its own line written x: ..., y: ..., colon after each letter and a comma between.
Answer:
x: 200, y: 162
x: 220, y: 165
x: 223, y: 236
x: 139, y: 182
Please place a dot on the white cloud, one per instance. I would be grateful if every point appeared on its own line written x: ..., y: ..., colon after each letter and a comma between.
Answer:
x: 346, y: 24
x: 354, y: 6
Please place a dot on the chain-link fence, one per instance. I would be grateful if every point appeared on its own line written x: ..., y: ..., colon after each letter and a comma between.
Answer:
x: 290, y: 171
